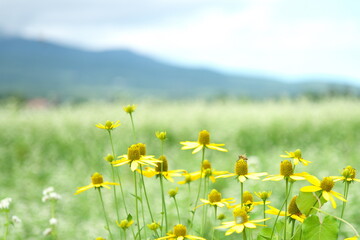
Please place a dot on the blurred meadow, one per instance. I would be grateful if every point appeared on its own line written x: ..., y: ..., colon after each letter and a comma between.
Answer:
x: 61, y: 147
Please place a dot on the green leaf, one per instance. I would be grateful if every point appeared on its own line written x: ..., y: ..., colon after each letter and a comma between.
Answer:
x: 137, y: 197
x: 314, y: 230
x: 129, y: 217
x: 265, y: 234
x: 307, y: 200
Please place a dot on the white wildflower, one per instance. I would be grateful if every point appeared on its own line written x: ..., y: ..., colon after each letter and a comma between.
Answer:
x: 15, y: 219
x: 53, y: 221
x: 50, y: 194
x: 5, y: 203
x: 47, y: 231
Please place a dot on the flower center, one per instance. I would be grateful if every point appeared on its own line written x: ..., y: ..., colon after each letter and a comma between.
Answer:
x: 204, y: 137
x: 206, y: 165
x: 134, y: 152
x: 286, y: 168
x: 214, y: 196
x: 162, y: 166
x: 188, y: 178
x: 241, y: 167
x: 97, y: 178
x: 108, y: 124
x: 293, y: 208
x: 349, y: 172
x: 297, y: 153
x: 142, y: 149
x: 327, y: 184
x: 248, y: 198
x: 179, y: 230
x: 240, y: 215
x: 109, y: 158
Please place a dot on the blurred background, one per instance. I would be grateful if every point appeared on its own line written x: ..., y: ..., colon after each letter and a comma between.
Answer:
x: 263, y: 76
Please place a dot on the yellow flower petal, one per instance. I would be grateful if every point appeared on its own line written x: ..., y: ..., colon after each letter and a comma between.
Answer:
x: 310, y: 189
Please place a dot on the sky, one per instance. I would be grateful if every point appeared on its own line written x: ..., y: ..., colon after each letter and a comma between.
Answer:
x: 289, y: 39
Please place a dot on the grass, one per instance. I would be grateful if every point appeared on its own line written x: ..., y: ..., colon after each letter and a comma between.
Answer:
x: 61, y: 147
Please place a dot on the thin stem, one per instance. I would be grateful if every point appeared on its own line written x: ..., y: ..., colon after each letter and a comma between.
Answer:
x: 318, y: 200
x: 163, y: 201
x: 292, y: 228
x: 52, y: 214
x: 346, y: 191
x: 287, y: 192
x: 115, y: 195
x: 277, y: 217
x: 242, y: 193
x: 142, y: 207
x: 119, y: 179
x: 264, y: 209
x: 203, y: 221
x: 244, y: 234
x: 133, y: 126
x: 177, y: 209
x: 200, y: 184
x: 146, y: 198
x: 137, y: 205
x: 213, y: 232
x: 106, y: 219
x: 7, y: 223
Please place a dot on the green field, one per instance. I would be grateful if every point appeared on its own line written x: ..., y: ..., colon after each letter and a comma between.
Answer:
x: 61, y: 147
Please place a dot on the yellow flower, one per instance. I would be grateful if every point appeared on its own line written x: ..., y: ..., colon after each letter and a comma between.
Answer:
x: 348, y: 174
x: 153, y: 226
x: 286, y: 172
x: 296, y: 155
x: 108, y: 125
x: 203, y: 142
x: 173, y: 192
x: 135, y: 158
x: 162, y: 169
x: 325, y: 186
x: 263, y: 195
x: 293, y: 211
x: 241, y: 171
x: 125, y: 224
x: 100, y: 238
x: 161, y: 135
x: 214, y: 199
x: 179, y: 233
x: 248, y: 202
x: 129, y: 108
x: 188, y: 178
x: 207, y: 171
x: 97, y: 181
x: 241, y: 222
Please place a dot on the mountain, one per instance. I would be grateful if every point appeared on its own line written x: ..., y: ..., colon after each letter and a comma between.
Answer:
x: 41, y: 69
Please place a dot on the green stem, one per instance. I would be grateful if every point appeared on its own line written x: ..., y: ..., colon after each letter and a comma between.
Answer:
x: 244, y: 234
x: 177, y: 209
x: 146, y: 198
x: 106, y: 219
x: 264, y: 209
x: 203, y: 220
x: 141, y: 186
x: 277, y: 217
x: 346, y: 191
x: 213, y: 232
x: 287, y: 192
x: 200, y: 184
x: 52, y: 214
x: 7, y: 223
x: 137, y: 205
x: 133, y: 126
x: 317, y: 201
x: 163, y: 202
x: 242, y: 193
x: 119, y: 179
x: 292, y: 229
